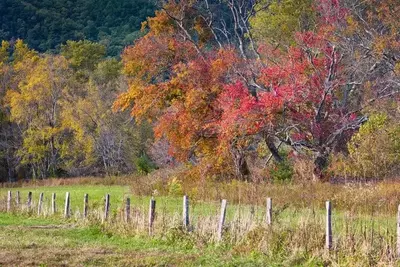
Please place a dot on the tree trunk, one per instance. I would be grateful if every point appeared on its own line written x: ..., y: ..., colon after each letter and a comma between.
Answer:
x: 241, y: 167
x: 320, y: 164
x: 269, y: 141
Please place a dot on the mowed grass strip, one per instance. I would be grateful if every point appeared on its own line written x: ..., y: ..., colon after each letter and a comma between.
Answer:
x: 32, y: 244
x: 42, y: 242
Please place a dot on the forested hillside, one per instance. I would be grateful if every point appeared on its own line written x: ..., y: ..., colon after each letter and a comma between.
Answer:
x: 46, y: 24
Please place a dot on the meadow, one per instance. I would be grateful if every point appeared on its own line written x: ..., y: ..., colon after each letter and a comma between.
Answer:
x: 364, y: 225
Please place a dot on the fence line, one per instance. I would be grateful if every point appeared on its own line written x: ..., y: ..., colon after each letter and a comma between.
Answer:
x: 53, y: 203
x: 152, y: 214
x: 40, y: 203
x: 128, y: 210
x: 29, y: 202
x: 9, y: 201
x: 398, y: 232
x: 67, y: 205
x: 222, y: 219
x: 269, y: 211
x: 17, y: 198
x: 328, y: 234
x: 106, y: 207
x: 186, y: 221
x: 85, y: 205
x: 133, y: 216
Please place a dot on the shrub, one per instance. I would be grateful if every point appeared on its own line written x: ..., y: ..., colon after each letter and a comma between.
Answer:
x: 281, y: 171
x: 374, y: 152
x: 144, y: 165
x: 175, y: 187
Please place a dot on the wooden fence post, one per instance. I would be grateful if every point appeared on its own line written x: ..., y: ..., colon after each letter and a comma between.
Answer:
x: 85, y: 205
x: 152, y: 213
x: 328, y: 236
x: 9, y: 197
x: 186, y: 212
x: 221, y: 219
x: 53, y: 203
x: 67, y: 206
x: 106, y: 207
x: 398, y: 231
x: 269, y: 211
x: 128, y: 210
x: 17, y: 198
x: 40, y: 203
x: 29, y: 202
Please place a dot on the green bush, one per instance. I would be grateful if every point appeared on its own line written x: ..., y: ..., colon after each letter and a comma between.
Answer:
x: 281, y: 171
x: 144, y: 165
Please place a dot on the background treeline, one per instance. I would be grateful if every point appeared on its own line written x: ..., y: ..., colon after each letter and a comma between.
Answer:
x: 46, y: 24
x: 56, y: 117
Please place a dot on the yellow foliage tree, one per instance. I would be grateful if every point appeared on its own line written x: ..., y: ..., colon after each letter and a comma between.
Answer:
x: 35, y: 106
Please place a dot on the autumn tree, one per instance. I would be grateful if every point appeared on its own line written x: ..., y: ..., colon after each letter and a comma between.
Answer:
x: 103, y: 142
x: 323, y: 87
x: 177, y: 71
x: 7, y: 137
x: 12, y: 70
x: 56, y: 116
x: 35, y: 107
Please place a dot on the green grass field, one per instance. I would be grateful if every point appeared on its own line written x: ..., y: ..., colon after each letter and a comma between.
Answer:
x: 48, y: 242
x: 53, y: 241
x: 296, y: 237
x: 68, y: 242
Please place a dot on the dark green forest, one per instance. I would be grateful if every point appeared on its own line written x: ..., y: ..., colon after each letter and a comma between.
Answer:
x: 46, y: 24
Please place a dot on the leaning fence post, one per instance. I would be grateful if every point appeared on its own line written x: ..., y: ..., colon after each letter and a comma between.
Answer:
x: 269, y: 211
x: 152, y: 213
x: 17, y: 198
x: 398, y: 231
x: 67, y: 206
x: 53, y: 203
x: 9, y: 201
x: 328, y: 237
x: 128, y: 210
x: 106, y: 207
x: 29, y: 202
x: 221, y: 219
x: 186, y: 212
x: 85, y: 205
x: 40, y: 203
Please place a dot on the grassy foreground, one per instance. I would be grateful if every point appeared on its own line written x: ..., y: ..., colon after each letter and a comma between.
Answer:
x: 51, y: 242
x: 46, y: 242
x: 31, y: 240
x: 361, y: 236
